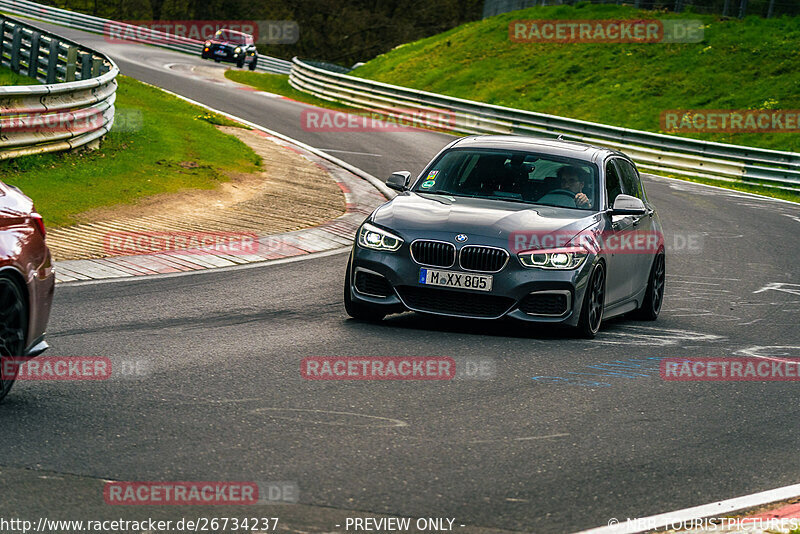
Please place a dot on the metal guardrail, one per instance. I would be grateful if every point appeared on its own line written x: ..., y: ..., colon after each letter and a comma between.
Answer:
x: 73, y: 108
x: 651, y: 151
x: 109, y: 28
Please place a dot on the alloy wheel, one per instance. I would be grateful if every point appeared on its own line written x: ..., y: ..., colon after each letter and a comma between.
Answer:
x: 596, y: 298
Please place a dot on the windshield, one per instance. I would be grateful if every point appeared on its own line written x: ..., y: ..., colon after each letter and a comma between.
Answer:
x: 513, y: 176
x: 230, y: 36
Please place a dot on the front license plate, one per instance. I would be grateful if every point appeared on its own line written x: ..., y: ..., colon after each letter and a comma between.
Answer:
x: 478, y: 282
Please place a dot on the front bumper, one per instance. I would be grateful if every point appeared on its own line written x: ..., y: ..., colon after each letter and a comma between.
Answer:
x: 507, y: 298
x: 37, y: 347
x: 225, y: 54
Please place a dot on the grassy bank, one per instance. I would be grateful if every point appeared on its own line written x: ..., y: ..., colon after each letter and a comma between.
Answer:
x: 9, y: 77
x: 159, y: 144
x: 740, y: 64
x: 279, y: 85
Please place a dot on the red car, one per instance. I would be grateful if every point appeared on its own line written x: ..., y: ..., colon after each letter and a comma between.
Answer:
x: 27, y: 281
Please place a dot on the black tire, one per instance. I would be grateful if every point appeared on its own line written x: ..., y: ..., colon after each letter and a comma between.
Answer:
x: 356, y: 310
x: 254, y: 63
x: 216, y: 61
x: 13, y: 330
x: 240, y: 62
x: 593, y: 303
x: 654, y: 296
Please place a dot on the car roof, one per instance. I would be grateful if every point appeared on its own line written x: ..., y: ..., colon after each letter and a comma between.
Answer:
x: 226, y: 30
x: 558, y: 147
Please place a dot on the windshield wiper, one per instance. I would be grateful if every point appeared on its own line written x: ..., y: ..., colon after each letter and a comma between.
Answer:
x: 441, y: 192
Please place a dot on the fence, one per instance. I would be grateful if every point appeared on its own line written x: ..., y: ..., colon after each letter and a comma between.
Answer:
x: 80, y: 21
x: 75, y: 107
x: 651, y: 151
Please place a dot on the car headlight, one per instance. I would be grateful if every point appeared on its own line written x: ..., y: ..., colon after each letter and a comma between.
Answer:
x: 207, y: 44
x: 378, y: 239
x: 238, y: 49
x: 560, y: 258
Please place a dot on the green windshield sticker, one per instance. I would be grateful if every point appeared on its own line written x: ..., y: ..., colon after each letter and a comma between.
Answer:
x: 427, y: 184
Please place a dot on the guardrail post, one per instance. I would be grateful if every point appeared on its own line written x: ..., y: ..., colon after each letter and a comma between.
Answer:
x: 97, y: 67
x: 770, y: 9
x: 52, y: 61
x: 33, y: 58
x: 72, y: 64
x: 743, y: 9
x: 16, y: 44
x: 86, y: 65
x: 2, y: 37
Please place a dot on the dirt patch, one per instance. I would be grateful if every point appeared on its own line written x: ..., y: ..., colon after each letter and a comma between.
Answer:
x: 289, y: 193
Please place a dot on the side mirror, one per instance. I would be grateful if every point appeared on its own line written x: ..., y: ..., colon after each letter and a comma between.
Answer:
x: 399, y: 180
x: 628, y: 205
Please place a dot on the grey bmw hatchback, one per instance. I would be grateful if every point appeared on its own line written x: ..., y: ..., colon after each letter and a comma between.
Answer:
x: 538, y: 230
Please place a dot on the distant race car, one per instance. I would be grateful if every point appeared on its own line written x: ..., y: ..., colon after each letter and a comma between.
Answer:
x: 232, y: 47
x: 27, y: 281
x: 544, y: 231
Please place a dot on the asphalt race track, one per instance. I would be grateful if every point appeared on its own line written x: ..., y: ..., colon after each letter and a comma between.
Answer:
x: 224, y: 399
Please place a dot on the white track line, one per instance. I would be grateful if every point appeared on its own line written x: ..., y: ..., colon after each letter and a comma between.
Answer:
x: 254, y: 265
x: 350, y: 152
x: 678, y: 517
x: 730, y: 192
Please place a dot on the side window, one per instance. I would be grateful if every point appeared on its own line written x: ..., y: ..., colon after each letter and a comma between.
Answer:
x: 613, y: 185
x: 630, y: 179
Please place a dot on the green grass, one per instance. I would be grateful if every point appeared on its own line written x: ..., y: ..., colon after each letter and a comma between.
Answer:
x: 279, y: 84
x: 9, y: 77
x: 741, y: 64
x: 220, y: 120
x: 159, y: 144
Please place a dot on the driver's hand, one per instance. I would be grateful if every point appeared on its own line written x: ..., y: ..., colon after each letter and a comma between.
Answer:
x: 582, y: 200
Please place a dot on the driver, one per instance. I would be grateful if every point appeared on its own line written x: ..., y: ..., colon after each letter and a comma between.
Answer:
x: 570, y: 195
